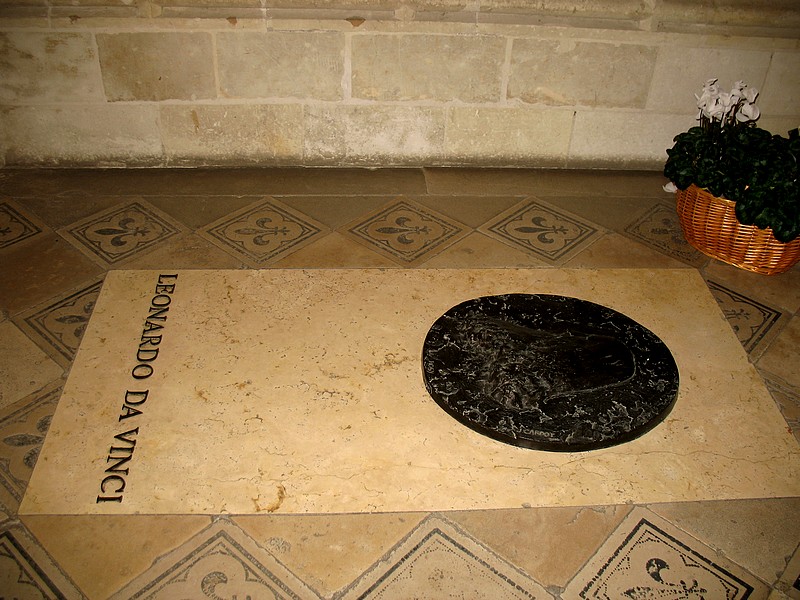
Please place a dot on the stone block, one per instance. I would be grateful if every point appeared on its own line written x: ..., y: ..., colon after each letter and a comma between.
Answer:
x: 232, y: 134
x: 569, y: 72
x: 623, y: 139
x: 680, y: 73
x: 157, y: 65
x: 48, y: 67
x: 731, y: 16
x: 427, y: 67
x: 281, y: 64
x: 780, y: 94
x: 99, y: 134
x: 374, y: 135
x: 508, y: 136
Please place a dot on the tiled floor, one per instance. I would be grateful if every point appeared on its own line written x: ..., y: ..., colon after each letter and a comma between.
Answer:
x: 61, y: 231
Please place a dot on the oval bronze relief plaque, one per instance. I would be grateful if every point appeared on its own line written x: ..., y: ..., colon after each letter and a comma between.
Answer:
x: 549, y: 372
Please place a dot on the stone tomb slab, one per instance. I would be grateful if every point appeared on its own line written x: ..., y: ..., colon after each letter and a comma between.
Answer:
x: 301, y: 391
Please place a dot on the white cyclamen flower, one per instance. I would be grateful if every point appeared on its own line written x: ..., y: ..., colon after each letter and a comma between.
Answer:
x: 748, y: 112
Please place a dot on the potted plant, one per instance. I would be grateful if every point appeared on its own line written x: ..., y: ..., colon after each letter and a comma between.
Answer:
x: 737, y: 186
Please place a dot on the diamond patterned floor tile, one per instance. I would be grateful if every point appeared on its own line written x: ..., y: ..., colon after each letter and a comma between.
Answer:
x: 540, y: 229
x: 22, y: 430
x: 263, y: 232
x: 60, y: 324
x: 16, y: 225
x: 124, y: 231
x: 659, y: 228
x: 752, y: 321
x: 406, y: 232
x: 221, y: 561
x: 438, y: 560
x: 27, y: 572
x: 647, y: 557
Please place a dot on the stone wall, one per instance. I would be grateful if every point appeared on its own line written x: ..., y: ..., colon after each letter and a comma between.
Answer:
x: 559, y: 83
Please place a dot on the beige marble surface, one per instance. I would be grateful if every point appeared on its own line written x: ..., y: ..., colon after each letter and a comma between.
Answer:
x: 300, y: 391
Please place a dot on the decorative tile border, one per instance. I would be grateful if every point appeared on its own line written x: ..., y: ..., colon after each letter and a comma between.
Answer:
x: 15, y: 226
x: 221, y: 561
x: 540, y: 229
x: 60, y: 325
x: 438, y: 560
x: 660, y: 228
x: 647, y: 557
x: 122, y: 232
x: 406, y: 232
x: 263, y: 233
x: 751, y: 320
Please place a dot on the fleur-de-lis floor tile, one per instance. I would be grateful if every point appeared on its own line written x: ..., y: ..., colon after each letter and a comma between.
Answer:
x: 16, y: 225
x: 122, y: 232
x: 753, y: 322
x: 540, y: 229
x: 660, y: 228
x: 263, y: 232
x: 22, y: 430
x: 647, y: 557
x: 406, y: 232
x: 60, y: 324
x: 220, y: 561
x: 439, y: 560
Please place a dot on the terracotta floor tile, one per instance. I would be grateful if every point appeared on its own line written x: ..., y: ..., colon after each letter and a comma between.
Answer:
x: 102, y: 554
x: 41, y: 269
x: 24, y: 367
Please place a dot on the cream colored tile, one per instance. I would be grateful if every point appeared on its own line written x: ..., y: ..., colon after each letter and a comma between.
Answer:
x: 219, y: 558
x: 781, y: 358
x: 101, y: 554
x: 440, y: 560
x: 22, y: 430
x: 470, y: 210
x: 777, y: 290
x: 563, y: 538
x: 26, y: 569
x: 334, y: 251
x: 756, y: 534
x: 329, y: 552
x: 616, y: 251
x: 337, y: 210
x: 250, y: 379
x: 480, y: 251
x: 24, y: 368
x: 187, y: 251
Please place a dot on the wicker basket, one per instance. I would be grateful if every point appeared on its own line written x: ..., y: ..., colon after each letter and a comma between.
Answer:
x: 710, y: 225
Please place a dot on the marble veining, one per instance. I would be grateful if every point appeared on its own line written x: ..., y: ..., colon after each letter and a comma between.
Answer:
x: 549, y: 372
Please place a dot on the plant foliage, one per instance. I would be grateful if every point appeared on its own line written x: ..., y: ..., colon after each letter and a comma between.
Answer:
x: 732, y: 158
